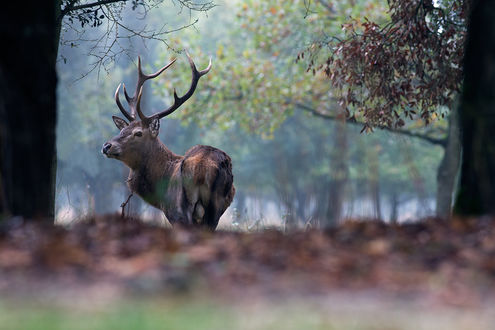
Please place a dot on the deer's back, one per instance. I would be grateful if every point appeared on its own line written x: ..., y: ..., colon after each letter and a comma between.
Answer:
x: 203, y: 162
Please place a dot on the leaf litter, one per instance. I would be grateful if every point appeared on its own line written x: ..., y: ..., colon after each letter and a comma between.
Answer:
x: 446, y: 262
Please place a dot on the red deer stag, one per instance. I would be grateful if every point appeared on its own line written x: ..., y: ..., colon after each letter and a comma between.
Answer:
x: 192, y: 190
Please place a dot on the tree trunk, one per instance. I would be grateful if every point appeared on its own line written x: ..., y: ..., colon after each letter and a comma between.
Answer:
x: 301, y: 198
x: 321, y: 200
x: 58, y: 24
x: 240, y: 214
x: 394, y: 207
x: 28, y: 109
x: 338, y: 180
x: 374, y: 181
x: 448, y: 168
x: 477, y: 114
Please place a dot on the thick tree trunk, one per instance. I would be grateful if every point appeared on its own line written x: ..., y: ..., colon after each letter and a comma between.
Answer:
x: 448, y: 168
x: 28, y: 109
x: 477, y: 114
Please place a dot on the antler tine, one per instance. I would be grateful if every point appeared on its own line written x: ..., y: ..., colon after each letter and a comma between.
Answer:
x: 143, y: 77
x: 121, y: 107
x: 178, y: 101
x: 202, y: 72
x: 136, y: 99
x: 156, y: 74
x: 127, y: 97
x: 138, y: 106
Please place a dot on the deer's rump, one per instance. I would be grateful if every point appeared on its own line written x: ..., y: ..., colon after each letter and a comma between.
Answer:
x: 207, y: 184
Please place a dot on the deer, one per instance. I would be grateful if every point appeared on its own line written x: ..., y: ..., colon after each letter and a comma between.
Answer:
x: 193, y: 189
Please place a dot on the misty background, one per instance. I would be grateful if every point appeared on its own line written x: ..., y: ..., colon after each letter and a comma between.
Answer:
x: 290, y: 169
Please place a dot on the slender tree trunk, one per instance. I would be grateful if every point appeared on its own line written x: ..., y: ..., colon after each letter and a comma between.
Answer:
x: 338, y: 180
x: 374, y: 181
x: 284, y: 188
x: 477, y: 114
x: 394, y: 207
x: 448, y: 168
x: 240, y: 214
x: 301, y: 197
x: 321, y: 199
x: 28, y: 109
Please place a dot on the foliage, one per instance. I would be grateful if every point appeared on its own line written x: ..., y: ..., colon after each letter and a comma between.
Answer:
x: 403, y: 68
x: 255, y: 81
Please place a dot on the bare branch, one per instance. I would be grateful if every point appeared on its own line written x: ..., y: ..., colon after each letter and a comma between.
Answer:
x: 115, y: 38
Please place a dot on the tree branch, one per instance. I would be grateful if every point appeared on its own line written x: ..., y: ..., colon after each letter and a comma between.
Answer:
x: 429, y: 139
x: 70, y: 7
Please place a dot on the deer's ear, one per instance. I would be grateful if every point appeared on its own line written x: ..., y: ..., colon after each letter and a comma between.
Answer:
x: 154, y: 127
x: 119, y: 122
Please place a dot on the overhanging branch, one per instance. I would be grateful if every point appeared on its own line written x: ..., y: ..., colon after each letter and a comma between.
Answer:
x: 71, y: 6
x: 429, y: 139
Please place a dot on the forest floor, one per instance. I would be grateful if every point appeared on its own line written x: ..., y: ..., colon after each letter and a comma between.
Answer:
x: 112, y: 273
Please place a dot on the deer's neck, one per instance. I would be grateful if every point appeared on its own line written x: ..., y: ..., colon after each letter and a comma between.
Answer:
x: 151, y: 177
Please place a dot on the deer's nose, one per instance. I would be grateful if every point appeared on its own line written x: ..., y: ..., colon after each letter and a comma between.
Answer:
x: 106, y: 147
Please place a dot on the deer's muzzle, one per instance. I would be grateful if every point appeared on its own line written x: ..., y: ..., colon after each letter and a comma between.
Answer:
x: 106, y: 150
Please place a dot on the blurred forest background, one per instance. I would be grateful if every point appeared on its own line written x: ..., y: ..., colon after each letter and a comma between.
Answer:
x: 297, y: 161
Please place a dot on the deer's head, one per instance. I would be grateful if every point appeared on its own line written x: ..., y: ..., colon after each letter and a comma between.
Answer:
x: 138, y: 136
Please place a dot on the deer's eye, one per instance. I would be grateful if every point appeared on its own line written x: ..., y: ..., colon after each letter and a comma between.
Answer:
x: 138, y: 134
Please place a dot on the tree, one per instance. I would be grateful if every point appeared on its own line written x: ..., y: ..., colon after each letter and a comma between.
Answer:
x: 477, y: 183
x: 386, y: 74
x: 404, y: 68
x: 28, y: 109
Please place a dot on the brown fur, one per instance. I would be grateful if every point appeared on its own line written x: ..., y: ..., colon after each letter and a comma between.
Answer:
x: 194, y: 189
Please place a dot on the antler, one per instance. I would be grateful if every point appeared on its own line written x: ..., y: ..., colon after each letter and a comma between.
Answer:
x: 178, y: 101
x: 135, y: 100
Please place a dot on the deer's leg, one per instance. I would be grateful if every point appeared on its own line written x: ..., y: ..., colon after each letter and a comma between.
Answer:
x: 191, y: 208
x: 199, y: 213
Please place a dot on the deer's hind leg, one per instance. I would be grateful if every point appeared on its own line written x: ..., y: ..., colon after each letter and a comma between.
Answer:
x: 198, y: 213
x: 203, y: 200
